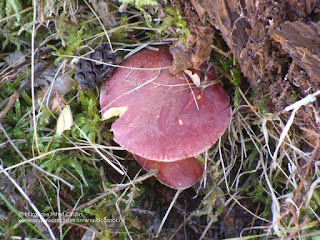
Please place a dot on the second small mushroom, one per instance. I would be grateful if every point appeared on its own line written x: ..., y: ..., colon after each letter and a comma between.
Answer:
x: 165, y: 120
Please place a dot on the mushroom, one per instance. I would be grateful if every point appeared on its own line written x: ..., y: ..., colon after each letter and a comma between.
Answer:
x: 164, y: 119
x: 178, y: 174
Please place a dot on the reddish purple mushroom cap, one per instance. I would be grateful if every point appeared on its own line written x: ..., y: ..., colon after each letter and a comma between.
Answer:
x: 161, y: 119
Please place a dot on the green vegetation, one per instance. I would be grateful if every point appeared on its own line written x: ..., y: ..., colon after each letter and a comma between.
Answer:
x: 16, y: 28
x: 141, y: 3
x: 70, y: 173
x: 174, y: 20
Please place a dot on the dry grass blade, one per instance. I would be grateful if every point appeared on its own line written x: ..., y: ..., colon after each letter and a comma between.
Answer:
x: 167, y: 213
x: 112, y: 65
x: 46, y: 154
x: 33, y: 35
x: 100, y: 153
x: 101, y: 24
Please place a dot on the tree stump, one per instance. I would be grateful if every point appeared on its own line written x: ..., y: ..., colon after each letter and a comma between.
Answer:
x: 277, y: 46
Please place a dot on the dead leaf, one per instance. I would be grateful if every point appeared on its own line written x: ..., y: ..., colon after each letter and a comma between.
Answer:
x: 58, y: 102
x: 194, y: 77
x: 65, y: 120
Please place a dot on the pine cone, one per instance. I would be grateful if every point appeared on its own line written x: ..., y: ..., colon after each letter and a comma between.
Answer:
x: 90, y: 73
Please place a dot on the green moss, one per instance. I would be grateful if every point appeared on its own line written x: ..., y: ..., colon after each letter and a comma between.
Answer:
x: 293, y: 96
x: 71, y: 37
x: 87, y: 117
x: 208, y: 206
x: 174, y: 24
x: 16, y: 31
x: 139, y: 4
x: 235, y: 73
x: 262, y: 105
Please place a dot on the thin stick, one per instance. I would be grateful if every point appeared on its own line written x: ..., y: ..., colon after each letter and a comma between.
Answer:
x: 168, y: 211
x: 104, y: 29
x: 142, y: 46
x: 249, y: 104
x: 121, y: 217
x: 13, y: 15
x: 181, y: 225
x: 206, y: 229
x: 194, y: 97
x: 52, y: 152
x: 218, y: 50
x: 59, y: 210
x: 32, y: 74
x: 109, y: 64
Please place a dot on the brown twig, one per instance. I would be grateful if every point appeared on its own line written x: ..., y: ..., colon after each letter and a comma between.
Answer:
x: 297, y: 229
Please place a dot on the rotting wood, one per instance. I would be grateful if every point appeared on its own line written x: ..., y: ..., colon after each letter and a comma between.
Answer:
x: 196, y: 48
x: 277, y: 46
x: 302, y: 42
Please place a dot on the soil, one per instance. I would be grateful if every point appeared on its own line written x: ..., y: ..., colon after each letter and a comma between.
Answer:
x: 277, y: 46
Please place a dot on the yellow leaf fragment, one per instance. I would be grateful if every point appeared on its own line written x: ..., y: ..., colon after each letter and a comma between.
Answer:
x: 113, y: 112
x: 194, y: 77
x: 65, y: 120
